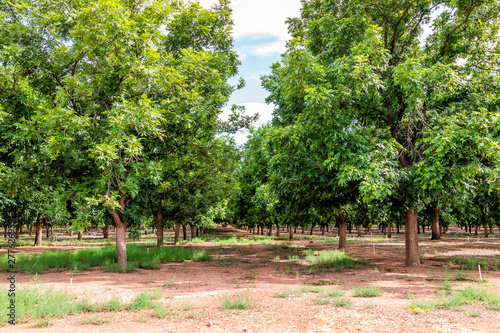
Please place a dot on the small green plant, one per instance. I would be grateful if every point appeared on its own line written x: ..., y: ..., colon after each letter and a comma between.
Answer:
x: 160, y: 311
x: 170, y: 282
x: 43, y: 323
x: 143, y: 300
x: 370, y: 306
x: 323, y: 283
x: 238, y: 302
x: 185, y: 307
x: 415, y: 309
x: 293, y: 257
x: 250, y: 276
x: 277, y: 258
x: 345, y: 302
x: 321, y: 301
x: 93, y: 320
x: 194, y: 315
x: 366, y: 291
x: 335, y: 292
x: 475, y: 313
x: 460, y: 275
x: 388, y: 269
x: 282, y: 294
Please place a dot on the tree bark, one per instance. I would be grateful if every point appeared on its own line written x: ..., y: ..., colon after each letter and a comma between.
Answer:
x: 262, y: 230
x: 290, y: 229
x: 191, y: 226
x: 477, y: 228
x: 312, y: 229
x: 31, y: 229
x: 270, y: 233
x: 277, y: 230
x: 435, y: 227
x: 80, y: 236
x: 176, y: 233
x: 389, y: 227
x: 358, y: 227
x: 105, y: 231
x: 184, y: 232
x: 342, y: 231
x: 18, y: 227
x: 38, y: 230
x: 412, y: 258
x: 120, y: 231
x: 485, y: 224
x: 158, y: 217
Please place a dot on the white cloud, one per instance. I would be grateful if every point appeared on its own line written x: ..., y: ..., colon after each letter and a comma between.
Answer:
x: 268, y: 49
x: 266, y: 17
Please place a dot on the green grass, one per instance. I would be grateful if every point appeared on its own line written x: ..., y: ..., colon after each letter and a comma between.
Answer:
x: 345, y: 302
x: 105, y: 257
x: 282, y: 294
x: 366, y: 291
x: 143, y: 300
x: 456, y: 301
x: 472, y: 263
x: 321, y: 301
x: 335, y: 259
x: 238, y: 302
x: 170, y: 282
x: 40, y: 303
x: 335, y: 292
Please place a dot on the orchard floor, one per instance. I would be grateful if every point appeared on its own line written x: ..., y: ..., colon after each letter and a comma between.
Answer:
x: 240, y: 268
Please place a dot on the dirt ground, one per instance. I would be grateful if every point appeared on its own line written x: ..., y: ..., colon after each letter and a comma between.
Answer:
x: 252, y: 268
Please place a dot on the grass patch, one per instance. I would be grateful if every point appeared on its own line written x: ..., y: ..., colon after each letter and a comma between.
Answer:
x: 105, y: 257
x: 366, y: 291
x: 170, y: 282
x: 335, y: 293
x: 456, y: 301
x: 238, y: 302
x: 345, y: 302
x: 143, y: 300
x: 335, y: 259
x: 321, y: 301
x: 282, y: 294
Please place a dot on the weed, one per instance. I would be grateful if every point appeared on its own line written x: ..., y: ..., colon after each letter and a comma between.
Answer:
x: 321, y: 301
x: 388, y: 269
x: 366, y: 292
x: 238, y: 302
x: 335, y: 292
x: 193, y: 315
x: 338, y: 260
x: 93, y: 320
x: 277, y: 258
x: 370, y: 306
x: 159, y: 311
x: 170, y: 282
x: 345, y: 302
x: 282, y: 294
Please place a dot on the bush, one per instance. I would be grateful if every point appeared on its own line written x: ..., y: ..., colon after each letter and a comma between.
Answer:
x: 338, y: 260
x: 239, y: 302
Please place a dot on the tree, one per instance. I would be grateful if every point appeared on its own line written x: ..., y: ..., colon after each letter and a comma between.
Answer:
x: 380, y: 74
x: 108, y: 85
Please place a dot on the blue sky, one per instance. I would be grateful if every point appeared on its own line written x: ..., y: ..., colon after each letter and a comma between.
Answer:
x: 260, y: 35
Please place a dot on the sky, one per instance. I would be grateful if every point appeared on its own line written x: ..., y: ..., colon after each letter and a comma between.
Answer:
x: 260, y: 35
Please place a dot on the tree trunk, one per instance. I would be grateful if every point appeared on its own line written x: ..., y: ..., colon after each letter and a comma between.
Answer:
x: 191, y: 226
x: 277, y: 230
x: 120, y: 231
x: 270, y: 233
x: 184, y: 232
x: 368, y: 227
x: 342, y: 231
x: 435, y: 227
x: 412, y: 258
x: 176, y: 233
x: 197, y: 231
x: 48, y: 231
x: 303, y: 230
x: 477, y: 228
x: 80, y: 236
x: 38, y: 230
x: 105, y: 231
x: 358, y: 227
x: 397, y: 229
x: 262, y: 230
x: 389, y: 227
x: 31, y: 229
x: 312, y: 229
x: 485, y: 225
x: 18, y: 227
x: 291, y: 232
x: 322, y: 230
x: 5, y: 231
